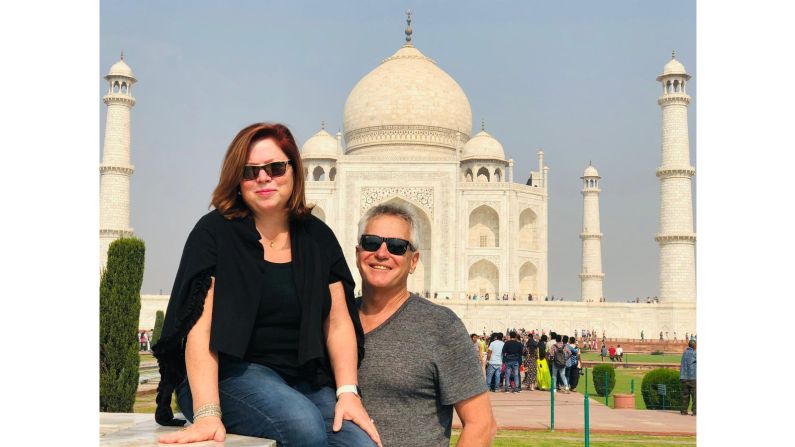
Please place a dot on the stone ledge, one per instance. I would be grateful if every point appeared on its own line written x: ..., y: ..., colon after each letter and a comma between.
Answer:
x: 141, y: 430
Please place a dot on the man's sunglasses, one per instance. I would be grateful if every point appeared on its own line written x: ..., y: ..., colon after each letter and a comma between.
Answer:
x: 396, y: 246
x: 273, y: 169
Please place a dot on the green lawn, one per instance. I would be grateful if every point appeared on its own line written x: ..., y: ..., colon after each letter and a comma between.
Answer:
x: 520, y: 438
x: 640, y: 358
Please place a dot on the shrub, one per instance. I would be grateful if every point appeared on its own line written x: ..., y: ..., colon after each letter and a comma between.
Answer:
x: 657, y: 353
x: 650, y: 391
x: 119, y: 307
x: 159, y: 317
x: 599, y: 378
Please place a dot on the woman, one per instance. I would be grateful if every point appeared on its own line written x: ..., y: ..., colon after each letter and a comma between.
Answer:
x: 531, y: 363
x: 261, y: 325
x: 544, y: 376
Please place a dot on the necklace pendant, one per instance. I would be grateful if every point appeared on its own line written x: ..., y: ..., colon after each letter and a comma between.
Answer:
x: 271, y: 244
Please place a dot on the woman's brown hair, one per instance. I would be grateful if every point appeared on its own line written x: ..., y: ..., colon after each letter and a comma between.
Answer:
x: 226, y: 197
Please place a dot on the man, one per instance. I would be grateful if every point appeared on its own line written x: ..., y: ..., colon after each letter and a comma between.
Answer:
x: 512, y: 357
x: 687, y: 377
x: 419, y: 364
x: 612, y: 351
x: 494, y: 361
x: 620, y: 353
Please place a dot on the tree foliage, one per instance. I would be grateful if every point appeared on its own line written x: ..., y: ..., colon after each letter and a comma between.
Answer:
x: 119, y: 308
x: 159, y: 317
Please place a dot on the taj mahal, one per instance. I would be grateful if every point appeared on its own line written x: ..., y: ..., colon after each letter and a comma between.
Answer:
x: 483, y: 229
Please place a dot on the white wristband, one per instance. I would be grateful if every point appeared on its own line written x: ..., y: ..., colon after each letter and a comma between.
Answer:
x: 348, y: 389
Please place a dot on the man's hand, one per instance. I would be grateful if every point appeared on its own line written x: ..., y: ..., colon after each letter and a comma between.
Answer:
x: 208, y: 428
x: 349, y: 407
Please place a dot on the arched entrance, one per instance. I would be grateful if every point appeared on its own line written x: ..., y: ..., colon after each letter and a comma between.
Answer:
x: 483, y: 278
x: 528, y: 280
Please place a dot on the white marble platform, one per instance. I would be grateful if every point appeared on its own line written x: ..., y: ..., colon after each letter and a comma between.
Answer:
x: 141, y: 430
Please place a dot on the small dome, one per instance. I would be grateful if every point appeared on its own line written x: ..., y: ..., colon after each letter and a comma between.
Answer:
x: 590, y: 171
x: 320, y: 145
x: 674, y: 67
x: 483, y: 145
x: 121, y: 68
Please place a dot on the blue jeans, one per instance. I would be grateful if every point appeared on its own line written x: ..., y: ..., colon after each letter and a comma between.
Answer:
x: 490, y: 372
x: 257, y: 401
x: 560, y: 374
x: 512, y: 370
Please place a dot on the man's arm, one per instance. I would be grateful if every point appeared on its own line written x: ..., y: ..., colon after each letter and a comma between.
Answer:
x: 488, y: 356
x: 477, y: 419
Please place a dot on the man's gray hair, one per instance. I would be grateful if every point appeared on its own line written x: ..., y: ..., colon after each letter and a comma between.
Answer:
x: 390, y: 209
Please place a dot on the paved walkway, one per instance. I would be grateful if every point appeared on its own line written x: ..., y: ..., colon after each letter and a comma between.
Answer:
x: 529, y: 410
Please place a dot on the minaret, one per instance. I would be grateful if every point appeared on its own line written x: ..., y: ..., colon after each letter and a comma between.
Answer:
x: 591, y: 277
x: 115, y: 169
x: 676, y: 237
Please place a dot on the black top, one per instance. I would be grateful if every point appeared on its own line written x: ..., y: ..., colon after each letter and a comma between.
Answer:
x: 512, y: 351
x: 230, y: 250
x: 274, y: 342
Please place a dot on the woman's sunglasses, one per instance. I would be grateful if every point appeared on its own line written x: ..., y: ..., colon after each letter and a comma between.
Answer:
x: 396, y: 246
x: 273, y: 169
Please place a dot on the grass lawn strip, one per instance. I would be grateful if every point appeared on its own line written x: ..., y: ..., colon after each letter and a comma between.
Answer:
x: 568, y: 439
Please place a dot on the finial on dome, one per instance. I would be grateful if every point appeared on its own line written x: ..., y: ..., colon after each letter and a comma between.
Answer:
x: 673, y: 54
x: 408, y: 27
x: 482, y: 124
x: 589, y: 162
x: 122, y: 54
x: 322, y: 125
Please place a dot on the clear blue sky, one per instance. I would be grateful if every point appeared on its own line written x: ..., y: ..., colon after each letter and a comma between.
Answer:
x: 575, y: 79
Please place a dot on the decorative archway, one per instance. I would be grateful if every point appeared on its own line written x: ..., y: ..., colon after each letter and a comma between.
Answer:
x: 468, y: 176
x: 483, y: 278
x: 319, y: 174
x: 483, y: 175
x: 332, y: 174
x: 528, y: 280
x: 527, y: 230
x: 484, y: 227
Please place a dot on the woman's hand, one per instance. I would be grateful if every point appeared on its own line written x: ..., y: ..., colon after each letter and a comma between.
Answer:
x: 209, y: 428
x: 349, y: 407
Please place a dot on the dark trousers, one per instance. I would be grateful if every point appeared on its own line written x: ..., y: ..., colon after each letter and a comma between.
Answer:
x: 688, y: 390
x: 574, y: 376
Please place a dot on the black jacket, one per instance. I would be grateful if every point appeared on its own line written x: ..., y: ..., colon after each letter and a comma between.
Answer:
x: 230, y: 251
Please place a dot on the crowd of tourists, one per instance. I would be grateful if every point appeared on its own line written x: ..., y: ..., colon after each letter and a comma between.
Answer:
x: 529, y: 361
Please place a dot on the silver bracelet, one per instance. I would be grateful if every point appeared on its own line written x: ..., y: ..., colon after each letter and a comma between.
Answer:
x: 207, y: 410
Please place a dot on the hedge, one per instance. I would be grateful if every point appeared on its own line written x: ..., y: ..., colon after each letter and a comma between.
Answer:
x: 119, y: 307
x: 651, y: 392
x: 599, y: 378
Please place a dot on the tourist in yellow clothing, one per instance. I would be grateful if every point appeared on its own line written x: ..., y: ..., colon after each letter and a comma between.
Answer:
x: 544, y: 376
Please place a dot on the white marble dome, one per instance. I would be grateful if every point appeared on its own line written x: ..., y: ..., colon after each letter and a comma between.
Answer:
x: 121, y: 68
x: 590, y: 171
x: 407, y: 101
x: 483, y: 145
x: 674, y: 67
x: 320, y: 145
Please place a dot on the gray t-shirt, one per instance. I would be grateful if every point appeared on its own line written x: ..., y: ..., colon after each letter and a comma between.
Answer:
x: 416, y: 366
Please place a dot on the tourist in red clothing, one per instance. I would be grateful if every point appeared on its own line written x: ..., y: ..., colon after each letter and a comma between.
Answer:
x: 612, y: 352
